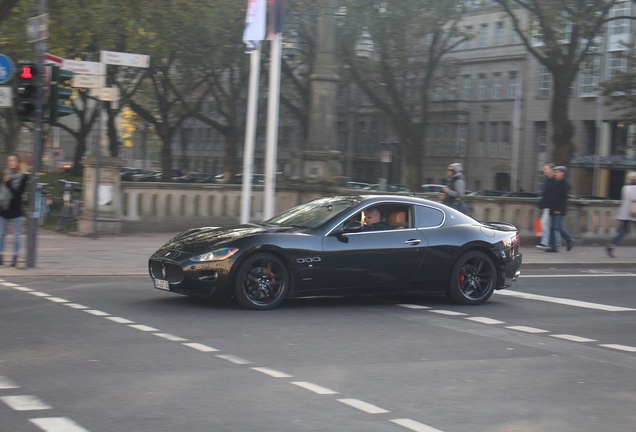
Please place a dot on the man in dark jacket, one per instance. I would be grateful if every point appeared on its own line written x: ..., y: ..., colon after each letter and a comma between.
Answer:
x: 557, y: 201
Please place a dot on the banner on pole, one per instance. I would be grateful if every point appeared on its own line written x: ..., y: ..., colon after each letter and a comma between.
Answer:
x: 255, y: 23
x: 276, y: 20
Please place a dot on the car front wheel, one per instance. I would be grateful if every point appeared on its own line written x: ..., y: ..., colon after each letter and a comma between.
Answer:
x: 262, y: 282
x: 473, y: 279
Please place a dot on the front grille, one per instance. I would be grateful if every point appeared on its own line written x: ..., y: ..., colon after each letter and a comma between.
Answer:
x: 173, y: 272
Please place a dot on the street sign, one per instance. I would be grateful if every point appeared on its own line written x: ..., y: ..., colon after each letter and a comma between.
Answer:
x: 6, y: 97
x: 6, y: 68
x: 38, y: 28
x: 106, y: 94
x: 84, y: 67
x: 50, y: 58
x: 124, y: 59
x: 88, y: 81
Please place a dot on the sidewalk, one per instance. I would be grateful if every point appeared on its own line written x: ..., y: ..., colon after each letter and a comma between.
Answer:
x: 127, y: 255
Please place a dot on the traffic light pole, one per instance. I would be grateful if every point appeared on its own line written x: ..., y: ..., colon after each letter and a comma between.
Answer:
x: 32, y: 220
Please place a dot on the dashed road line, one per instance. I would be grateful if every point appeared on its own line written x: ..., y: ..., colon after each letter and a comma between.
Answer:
x: 10, y: 284
x: 527, y: 329
x: 6, y: 383
x: 200, y: 347
x: 363, y: 406
x: 25, y: 403
x: 572, y: 338
x: 619, y: 347
x: 39, y: 294
x: 413, y: 306
x: 171, y: 337
x: 76, y: 306
x: 119, y: 320
x: 414, y: 426
x: 271, y: 372
x: 96, y: 312
x: 143, y: 328
x: 56, y: 299
x: 57, y: 424
x: 448, y: 312
x: 566, y: 302
x: 485, y: 320
x: 234, y: 359
x: 314, y: 388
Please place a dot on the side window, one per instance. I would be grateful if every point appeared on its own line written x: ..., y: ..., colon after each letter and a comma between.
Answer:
x: 428, y: 217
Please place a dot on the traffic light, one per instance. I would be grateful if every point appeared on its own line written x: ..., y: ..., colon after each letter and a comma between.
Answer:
x: 60, y: 94
x: 26, y: 93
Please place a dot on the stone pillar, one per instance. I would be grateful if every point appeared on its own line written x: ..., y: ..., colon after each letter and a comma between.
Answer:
x: 321, y: 161
x: 109, y: 198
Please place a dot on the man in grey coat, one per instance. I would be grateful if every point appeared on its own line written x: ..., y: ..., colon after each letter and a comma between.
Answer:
x: 454, y: 192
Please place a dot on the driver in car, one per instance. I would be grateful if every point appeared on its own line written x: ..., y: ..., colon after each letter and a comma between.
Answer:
x: 372, y: 220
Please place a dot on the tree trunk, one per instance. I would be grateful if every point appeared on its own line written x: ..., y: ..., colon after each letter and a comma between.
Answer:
x: 562, y: 127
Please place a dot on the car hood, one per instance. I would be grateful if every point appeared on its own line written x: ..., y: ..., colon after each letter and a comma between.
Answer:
x: 200, y: 240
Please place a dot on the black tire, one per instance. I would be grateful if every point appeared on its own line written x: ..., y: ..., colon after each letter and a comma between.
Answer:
x: 262, y: 282
x: 473, y: 279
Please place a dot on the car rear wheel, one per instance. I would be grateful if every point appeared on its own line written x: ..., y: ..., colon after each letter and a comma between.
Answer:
x: 262, y: 282
x: 473, y: 279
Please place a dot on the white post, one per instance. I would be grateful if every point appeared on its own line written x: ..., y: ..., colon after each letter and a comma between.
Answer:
x: 272, y: 127
x: 250, y: 134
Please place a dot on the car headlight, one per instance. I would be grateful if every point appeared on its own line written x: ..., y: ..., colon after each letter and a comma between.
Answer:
x: 215, y: 255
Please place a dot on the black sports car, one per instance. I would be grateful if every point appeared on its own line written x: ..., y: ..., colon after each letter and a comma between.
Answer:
x: 323, y: 248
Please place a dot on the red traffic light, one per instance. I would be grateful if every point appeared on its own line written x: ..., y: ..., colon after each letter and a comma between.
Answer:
x: 27, y: 72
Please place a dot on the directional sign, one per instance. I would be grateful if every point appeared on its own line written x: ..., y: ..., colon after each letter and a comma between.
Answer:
x: 50, y: 58
x: 5, y: 97
x: 6, y: 68
x: 106, y: 94
x: 88, y: 81
x: 84, y: 67
x: 38, y: 28
x: 124, y: 59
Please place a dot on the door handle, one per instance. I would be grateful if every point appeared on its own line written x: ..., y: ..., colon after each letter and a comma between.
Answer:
x: 413, y: 242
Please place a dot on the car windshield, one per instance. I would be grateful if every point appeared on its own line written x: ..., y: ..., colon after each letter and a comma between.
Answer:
x: 313, y: 214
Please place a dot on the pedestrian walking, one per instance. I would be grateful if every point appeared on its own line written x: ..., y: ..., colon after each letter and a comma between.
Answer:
x: 626, y: 214
x: 557, y: 201
x: 454, y: 191
x: 548, y: 172
x: 11, y: 189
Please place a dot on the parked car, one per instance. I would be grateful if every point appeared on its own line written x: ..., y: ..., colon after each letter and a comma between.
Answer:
x: 488, y: 192
x: 389, y: 188
x: 357, y: 185
x: 522, y: 195
x: 590, y: 197
x: 433, y: 188
x: 322, y: 248
x: 196, y: 177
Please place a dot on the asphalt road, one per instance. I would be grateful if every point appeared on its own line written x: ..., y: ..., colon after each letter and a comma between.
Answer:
x: 103, y: 354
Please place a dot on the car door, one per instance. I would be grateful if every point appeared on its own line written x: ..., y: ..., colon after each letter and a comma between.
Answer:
x: 371, y: 261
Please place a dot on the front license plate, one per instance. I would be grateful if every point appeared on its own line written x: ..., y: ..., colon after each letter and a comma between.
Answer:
x: 162, y: 284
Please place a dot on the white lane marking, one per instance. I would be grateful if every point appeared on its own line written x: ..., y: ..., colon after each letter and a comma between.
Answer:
x: 76, y: 306
x: 619, y: 347
x: 363, y: 406
x: 23, y: 289
x: 314, y: 388
x: 200, y: 347
x: 57, y: 424
x: 527, y: 329
x: 39, y: 294
x: 413, y: 306
x: 580, y: 275
x: 6, y: 383
x: 170, y: 337
x: 271, y: 372
x: 96, y: 312
x: 120, y: 320
x: 143, y: 328
x: 10, y: 284
x: 414, y: 426
x: 234, y: 359
x: 566, y: 302
x: 573, y: 338
x: 56, y: 299
x: 447, y: 312
x: 485, y: 320
x: 24, y: 403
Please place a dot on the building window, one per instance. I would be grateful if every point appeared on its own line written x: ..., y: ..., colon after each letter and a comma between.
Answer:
x: 505, y: 140
x: 452, y: 89
x: 469, y: 41
x: 540, y: 136
x: 590, y: 75
x: 544, y: 82
x: 496, y: 85
x: 462, y: 139
x: 513, y: 85
x: 500, y: 31
x: 514, y: 36
x: 481, y: 87
x: 466, y: 87
x: 483, y: 36
x: 619, y: 26
x: 615, y: 64
x: 494, y: 139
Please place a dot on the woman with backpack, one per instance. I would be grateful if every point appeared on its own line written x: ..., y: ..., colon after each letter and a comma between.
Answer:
x: 12, y: 187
